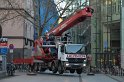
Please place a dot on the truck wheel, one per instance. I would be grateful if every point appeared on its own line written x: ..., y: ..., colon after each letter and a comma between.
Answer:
x: 72, y: 70
x: 54, y: 69
x: 60, y: 69
x: 11, y: 73
x: 50, y: 69
x: 43, y: 69
x: 79, y: 71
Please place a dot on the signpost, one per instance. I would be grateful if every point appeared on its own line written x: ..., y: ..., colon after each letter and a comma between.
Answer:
x: 3, y: 51
x: 11, y: 47
x: 89, y: 58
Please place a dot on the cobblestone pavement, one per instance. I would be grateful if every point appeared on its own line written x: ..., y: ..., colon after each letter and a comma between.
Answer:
x: 49, y: 77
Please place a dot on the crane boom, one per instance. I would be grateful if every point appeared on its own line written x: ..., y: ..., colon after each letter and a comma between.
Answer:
x: 77, y: 17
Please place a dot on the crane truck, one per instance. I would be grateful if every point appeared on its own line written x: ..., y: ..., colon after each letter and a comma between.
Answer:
x: 55, y: 52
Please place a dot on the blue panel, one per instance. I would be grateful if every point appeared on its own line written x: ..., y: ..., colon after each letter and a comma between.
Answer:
x: 52, y: 11
x: 105, y: 44
x: 3, y: 51
x: 42, y: 12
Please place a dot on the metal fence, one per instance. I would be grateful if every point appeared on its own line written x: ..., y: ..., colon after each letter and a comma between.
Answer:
x: 22, y: 67
x: 112, y: 70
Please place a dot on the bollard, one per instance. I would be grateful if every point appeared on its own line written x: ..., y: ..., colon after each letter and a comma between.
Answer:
x: 89, y: 58
x: 90, y: 71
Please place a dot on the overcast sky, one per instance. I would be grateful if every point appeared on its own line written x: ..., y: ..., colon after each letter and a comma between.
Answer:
x: 62, y: 4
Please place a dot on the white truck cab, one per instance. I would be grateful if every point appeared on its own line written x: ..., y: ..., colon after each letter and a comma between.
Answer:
x: 72, y: 56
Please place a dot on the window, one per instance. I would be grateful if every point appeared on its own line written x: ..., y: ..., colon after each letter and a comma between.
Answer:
x: 62, y: 48
x: 119, y: 6
x: 114, y: 8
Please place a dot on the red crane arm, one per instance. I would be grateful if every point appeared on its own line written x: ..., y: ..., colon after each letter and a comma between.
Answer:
x: 78, y: 16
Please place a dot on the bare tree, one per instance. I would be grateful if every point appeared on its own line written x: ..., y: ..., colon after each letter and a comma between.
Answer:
x: 61, y: 12
x: 51, y: 8
x: 12, y: 6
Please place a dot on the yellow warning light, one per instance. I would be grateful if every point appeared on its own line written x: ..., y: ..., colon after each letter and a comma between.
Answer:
x: 60, y: 20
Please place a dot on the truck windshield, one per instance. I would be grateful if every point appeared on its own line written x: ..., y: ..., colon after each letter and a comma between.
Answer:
x: 78, y: 49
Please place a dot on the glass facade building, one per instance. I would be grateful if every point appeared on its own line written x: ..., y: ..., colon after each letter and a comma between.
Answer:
x: 48, y: 14
x: 80, y: 33
x: 106, y: 35
x: 122, y: 34
x: 37, y: 17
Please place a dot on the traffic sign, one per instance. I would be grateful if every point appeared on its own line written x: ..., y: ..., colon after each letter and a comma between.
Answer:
x: 3, y: 41
x: 11, y: 46
x: 3, y: 51
x: 11, y: 50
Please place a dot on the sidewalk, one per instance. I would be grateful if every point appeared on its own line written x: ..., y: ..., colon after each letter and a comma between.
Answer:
x: 2, y: 74
x: 117, y: 78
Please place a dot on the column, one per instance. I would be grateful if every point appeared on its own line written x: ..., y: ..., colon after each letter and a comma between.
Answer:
x: 122, y: 35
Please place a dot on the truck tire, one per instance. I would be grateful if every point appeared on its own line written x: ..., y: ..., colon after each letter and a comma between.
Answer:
x: 43, y: 69
x: 72, y: 70
x: 54, y: 69
x: 11, y: 73
x: 79, y: 71
x: 50, y: 69
x: 60, y: 69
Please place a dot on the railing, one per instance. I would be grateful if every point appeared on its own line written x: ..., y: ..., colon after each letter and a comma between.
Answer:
x: 63, y: 39
x: 112, y: 70
x: 22, y: 67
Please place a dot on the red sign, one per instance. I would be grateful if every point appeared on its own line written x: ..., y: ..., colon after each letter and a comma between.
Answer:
x: 3, y: 42
x: 76, y: 56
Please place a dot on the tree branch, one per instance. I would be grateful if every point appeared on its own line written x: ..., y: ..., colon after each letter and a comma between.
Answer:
x: 65, y: 8
x: 22, y: 14
x: 10, y: 18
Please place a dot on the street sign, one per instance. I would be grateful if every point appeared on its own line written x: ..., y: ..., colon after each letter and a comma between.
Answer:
x: 3, y: 42
x: 11, y: 46
x: 3, y: 46
x: 3, y: 51
x: 11, y: 50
